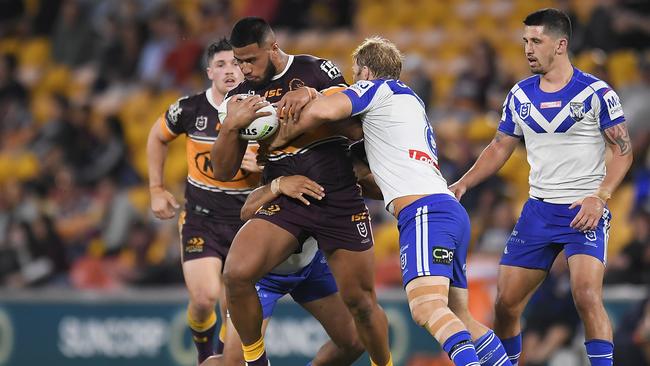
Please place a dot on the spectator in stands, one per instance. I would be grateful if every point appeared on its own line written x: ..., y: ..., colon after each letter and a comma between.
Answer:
x: 73, y: 39
x: 632, y: 337
x: 632, y: 265
x: 414, y: 75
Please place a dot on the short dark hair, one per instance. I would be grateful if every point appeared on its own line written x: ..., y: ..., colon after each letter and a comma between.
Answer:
x: 554, y: 21
x: 216, y: 47
x: 248, y: 31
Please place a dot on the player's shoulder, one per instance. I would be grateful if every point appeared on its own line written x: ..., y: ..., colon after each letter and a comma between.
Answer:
x: 315, y: 63
x: 190, y: 100
x: 309, y: 60
x: 184, y: 106
x: 592, y: 82
x: 525, y: 83
x: 241, y: 88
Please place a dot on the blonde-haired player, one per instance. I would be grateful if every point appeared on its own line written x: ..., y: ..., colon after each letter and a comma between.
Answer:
x: 434, y: 228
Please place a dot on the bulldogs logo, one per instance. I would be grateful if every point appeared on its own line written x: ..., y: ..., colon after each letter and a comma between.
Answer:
x: 577, y: 111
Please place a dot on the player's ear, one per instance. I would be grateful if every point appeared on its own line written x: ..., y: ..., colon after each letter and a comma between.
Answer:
x: 562, y: 46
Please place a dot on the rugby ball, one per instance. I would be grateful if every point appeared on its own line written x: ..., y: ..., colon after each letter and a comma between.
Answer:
x: 261, y: 128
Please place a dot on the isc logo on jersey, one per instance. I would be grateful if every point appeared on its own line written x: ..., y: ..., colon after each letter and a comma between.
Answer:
x: 613, y: 104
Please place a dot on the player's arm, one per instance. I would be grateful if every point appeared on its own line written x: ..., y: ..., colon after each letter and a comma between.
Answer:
x: 294, y: 186
x: 493, y: 157
x: 228, y: 150
x: 620, y: 158
x: 618, y: 162
x: 163, y: 203
x: 322, y: 109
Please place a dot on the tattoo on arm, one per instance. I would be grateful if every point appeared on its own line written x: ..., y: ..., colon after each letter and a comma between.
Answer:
x: 499, y: 136
x: 618, y: 136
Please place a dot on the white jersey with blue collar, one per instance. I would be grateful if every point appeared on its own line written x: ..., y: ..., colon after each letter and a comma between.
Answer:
x: 563, y: 134
x: 399, y: 141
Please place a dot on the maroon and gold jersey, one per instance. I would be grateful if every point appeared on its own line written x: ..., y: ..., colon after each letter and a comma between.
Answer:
x: 320, y: 155
x: 197, y: 117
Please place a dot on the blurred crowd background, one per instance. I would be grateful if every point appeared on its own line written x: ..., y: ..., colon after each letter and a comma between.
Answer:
x: 82, y: 81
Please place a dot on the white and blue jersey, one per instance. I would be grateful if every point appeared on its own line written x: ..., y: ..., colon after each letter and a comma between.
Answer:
x: 563, y: 133
x: 403, y: 157
x: 305, y: 276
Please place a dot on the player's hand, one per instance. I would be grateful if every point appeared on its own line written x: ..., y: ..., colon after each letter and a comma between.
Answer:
x: 241, y: 112
x: 286, y: 133
x: 293, y: 102
x: 297, y: 186
x: 458, y: 189
x: 591, y: 211
x: 163, y: 203
x: 249, y: 163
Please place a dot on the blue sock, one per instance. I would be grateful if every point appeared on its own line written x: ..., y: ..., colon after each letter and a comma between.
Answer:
x: 461, y: 350
x: 513, y: 348
x: 600, y: 352
x: 309, y: 364
x: 490, y: 351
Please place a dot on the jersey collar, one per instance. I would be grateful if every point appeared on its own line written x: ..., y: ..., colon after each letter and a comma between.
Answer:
x: 286, y: 68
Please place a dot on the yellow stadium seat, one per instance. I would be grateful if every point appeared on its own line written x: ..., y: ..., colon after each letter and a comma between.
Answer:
x: 622, y: 67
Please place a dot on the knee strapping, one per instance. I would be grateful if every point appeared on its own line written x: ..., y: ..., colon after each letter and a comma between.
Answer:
x: 428, y: 303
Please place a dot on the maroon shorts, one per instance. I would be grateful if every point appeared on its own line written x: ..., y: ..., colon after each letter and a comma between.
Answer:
x: 336, y: 222
x: 204, y: 236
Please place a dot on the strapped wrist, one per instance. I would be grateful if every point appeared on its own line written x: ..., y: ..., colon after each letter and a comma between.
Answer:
x: 312, y: 96
x: 275, y: 186
x: 603, y: 195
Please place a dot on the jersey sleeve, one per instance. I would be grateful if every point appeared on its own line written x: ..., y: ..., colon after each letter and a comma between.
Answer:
x: 174, y: 118
x: 608, y: 108
x: 362, y: 95
x: 328, y: 75
x: 508, y: 125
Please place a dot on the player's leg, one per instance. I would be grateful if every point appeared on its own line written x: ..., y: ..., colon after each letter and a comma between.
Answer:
x: 344, y: 346
x: 204, y: 244
x: 233, y: 354
x: 433, y: 248
x: 587, y: 255
x: 318, y: 294
x: 221, y: 337
x: 489, y: 348
x: 355, y: 276
x: 515, y: 286
x: 528, y: 255
x: 203, y: 281
x: 258, y: 247
x: 586, y: 287
x: 428, y: 301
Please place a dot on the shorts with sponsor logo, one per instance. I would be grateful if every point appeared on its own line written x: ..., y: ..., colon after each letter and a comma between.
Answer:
x: 339, y: 221
x: 434, y: 234
x: 313, y: 282
x: 543, y: 230
x: 205, y: 236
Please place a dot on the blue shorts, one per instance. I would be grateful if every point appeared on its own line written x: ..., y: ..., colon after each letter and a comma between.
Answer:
x: 311, y: 283
x: 434, y: 234
x: 543, y: 230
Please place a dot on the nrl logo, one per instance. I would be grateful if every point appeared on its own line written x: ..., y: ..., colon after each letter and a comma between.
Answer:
x: 577, y: 110
x: 524, y: 110
x: 201, y: 123
x: 363, y: 230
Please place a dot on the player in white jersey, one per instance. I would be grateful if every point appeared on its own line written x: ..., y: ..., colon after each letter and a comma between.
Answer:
x: 568, y: 120
x: 433, y: 226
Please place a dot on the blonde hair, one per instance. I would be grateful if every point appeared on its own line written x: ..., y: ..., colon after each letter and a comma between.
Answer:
x: 381, y: 56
